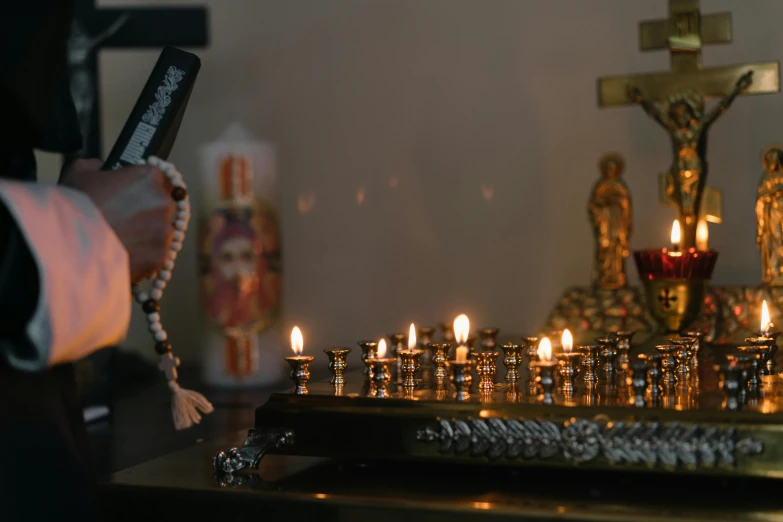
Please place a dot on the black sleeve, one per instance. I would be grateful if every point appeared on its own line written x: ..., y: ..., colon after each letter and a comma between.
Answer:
x: 19, y: 285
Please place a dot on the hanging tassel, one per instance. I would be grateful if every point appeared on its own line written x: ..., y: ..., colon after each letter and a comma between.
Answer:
x: 186, y: 405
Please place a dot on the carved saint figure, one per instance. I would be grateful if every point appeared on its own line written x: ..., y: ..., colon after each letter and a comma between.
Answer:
x: 769, y: 217
x: 682, y: 115
x: 610, y: 213
x: 80, y: 47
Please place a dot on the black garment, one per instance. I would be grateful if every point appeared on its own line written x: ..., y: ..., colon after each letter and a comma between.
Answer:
x: 45, y: 471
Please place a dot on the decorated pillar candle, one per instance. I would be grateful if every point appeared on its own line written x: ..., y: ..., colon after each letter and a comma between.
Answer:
x: 240, y: 262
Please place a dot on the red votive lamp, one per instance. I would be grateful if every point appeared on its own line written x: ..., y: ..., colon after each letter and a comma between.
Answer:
x: 675, y: 281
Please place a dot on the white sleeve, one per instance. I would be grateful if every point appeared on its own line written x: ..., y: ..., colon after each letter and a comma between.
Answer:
x: 83, y: 272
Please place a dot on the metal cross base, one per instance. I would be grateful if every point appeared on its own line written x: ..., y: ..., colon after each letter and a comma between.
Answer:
x: 729, y: 313
x: 258, y: 444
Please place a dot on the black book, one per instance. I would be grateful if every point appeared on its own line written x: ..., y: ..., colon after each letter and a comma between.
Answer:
x: 154, y: 122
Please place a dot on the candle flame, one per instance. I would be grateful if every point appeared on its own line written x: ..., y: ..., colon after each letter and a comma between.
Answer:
x: 297, y: 342
x: 381, y: 352
x: 765, y: 322
x: 412, y: 338
x: 676, y: 233
x: 461, y: 328
x: 567, y: 341
x: 545, y: 350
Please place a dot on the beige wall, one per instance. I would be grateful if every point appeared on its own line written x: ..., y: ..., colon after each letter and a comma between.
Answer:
x: 446, y: 97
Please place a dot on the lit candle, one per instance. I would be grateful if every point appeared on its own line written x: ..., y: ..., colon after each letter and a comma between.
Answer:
x: 461, y: 331
x: 765, y: 322
x: 702, y: 235
x: 297, y: 341
x: 381, y: 351
x: 567, y: 341
x: 676, y: 236
x: 412, y: 338
x: 545, y: 350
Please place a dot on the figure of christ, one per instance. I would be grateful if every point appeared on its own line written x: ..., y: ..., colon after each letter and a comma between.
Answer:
x: 682, y: 115
x: 238, y: 300
x: 769, y: 217
x: 80, y: 47
x: 610, y: 214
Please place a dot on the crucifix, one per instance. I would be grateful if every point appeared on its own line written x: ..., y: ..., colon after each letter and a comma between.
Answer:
x: 675, y: 100
x: 95, y: 28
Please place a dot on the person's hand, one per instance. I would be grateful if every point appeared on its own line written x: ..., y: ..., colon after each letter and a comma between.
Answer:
x: 136, y: 202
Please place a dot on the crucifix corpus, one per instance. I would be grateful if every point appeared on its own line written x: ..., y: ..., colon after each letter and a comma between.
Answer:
x: 675, y: 99
x: 121, y: 28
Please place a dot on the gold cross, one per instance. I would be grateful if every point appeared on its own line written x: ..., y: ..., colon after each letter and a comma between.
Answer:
x: 683, y: 34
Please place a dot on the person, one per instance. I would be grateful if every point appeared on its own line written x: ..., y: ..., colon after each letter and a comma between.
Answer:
x: 68, y: 255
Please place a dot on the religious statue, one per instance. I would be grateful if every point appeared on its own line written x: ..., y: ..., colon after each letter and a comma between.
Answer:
x: 80, y: 47
x: 769, y: 217
x: 610, y: 213
x: 682, y: 115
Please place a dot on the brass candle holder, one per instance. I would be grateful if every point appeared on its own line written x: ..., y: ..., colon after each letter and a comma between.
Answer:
x: 337, y: 364
x: 489, y: 338
x: 381, y: 375
x: 590, y: 361
x: 486, y: 367
x: 730, y: 381
x: 771, y: 362
x: 654, y: 374
x: 512, y: 359
x: 440, y: 356
x: 425, y: 339
x: 668, y: 365
x: 757, y: 357
x: 608, y: 353
x: 531, y: 352
x: 410, y: 364
x: 546, y: 380
x: 767, y: 358
x: 637, y: 373
x: 397, y: 343
x: 699, y: 336
x: 461, y: 379
x: 743, y: 361
x: 684, y: 355
x: 568, y: 362
x: 624, y: 348
x: 369, y: 351
x: 300, y: 372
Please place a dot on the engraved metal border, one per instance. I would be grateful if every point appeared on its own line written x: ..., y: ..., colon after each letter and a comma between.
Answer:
x: 671, y: 445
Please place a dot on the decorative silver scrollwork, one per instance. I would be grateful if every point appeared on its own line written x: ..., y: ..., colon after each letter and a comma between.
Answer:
x: 671, y: 445
x: 258, y: 444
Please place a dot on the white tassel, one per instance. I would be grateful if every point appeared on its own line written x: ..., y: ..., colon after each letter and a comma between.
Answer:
x: 185, y: 406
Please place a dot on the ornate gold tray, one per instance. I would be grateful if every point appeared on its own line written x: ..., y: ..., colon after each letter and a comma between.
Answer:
x: 687, y: 430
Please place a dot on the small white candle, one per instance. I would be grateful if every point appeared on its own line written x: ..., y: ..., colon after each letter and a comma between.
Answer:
x: 545, y: 350
x: 702, y: 235
x: 675, y: 237
x: 567, y: 341
x: 412, y: 338
x: 461, y: 332
x: 381, y: 352
x: 765, y: 322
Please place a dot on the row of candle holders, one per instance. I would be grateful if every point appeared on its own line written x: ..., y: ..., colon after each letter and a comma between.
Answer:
x: 649, y: 377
